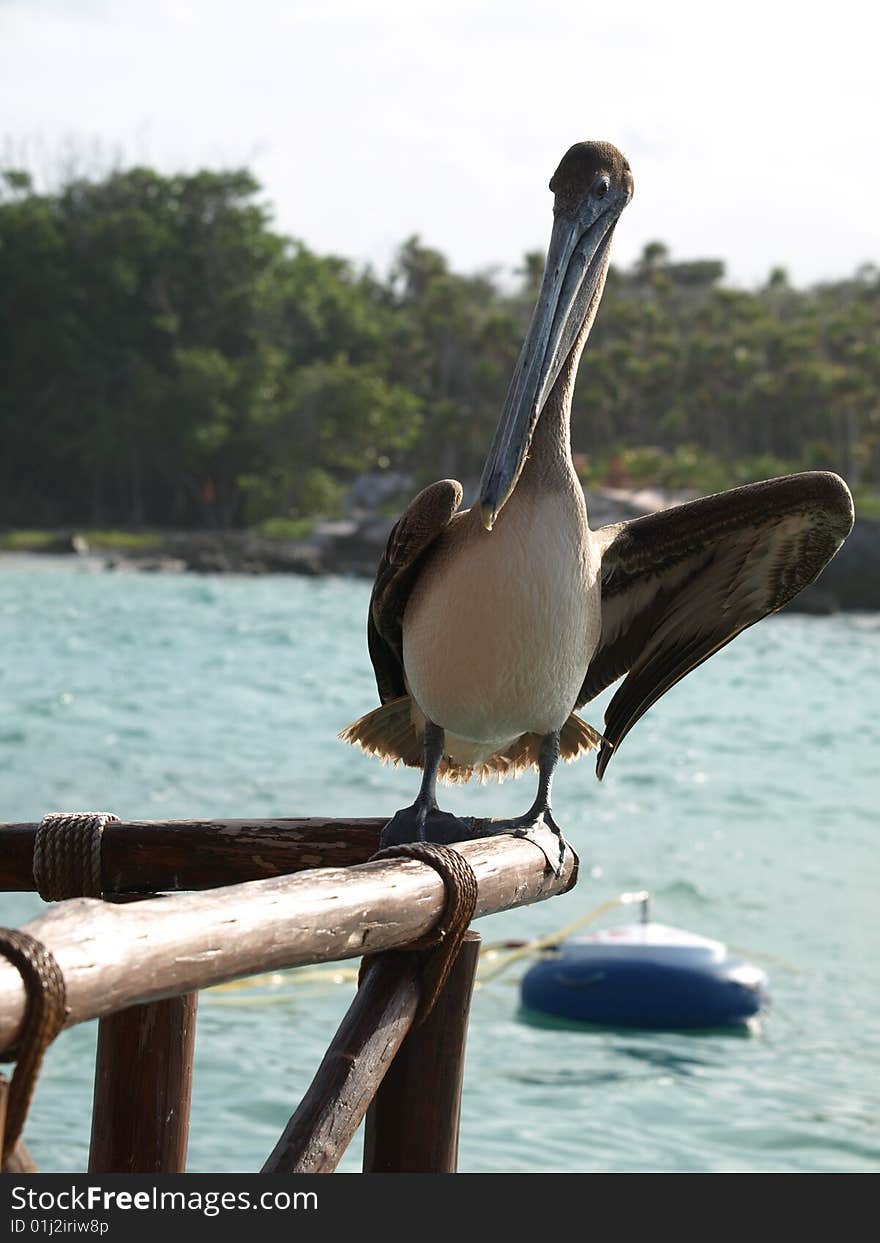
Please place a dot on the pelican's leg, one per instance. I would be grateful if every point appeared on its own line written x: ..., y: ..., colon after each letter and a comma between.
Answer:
x: 423, y: 820
x: 523, y: 826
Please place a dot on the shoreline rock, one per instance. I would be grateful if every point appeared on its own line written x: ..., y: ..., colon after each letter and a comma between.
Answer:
x: 353, y: 546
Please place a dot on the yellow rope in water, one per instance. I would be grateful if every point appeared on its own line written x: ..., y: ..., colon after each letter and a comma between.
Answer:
x: 296, y: 975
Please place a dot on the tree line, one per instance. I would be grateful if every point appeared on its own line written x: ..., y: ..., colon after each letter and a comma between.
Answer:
x: 168, y: 359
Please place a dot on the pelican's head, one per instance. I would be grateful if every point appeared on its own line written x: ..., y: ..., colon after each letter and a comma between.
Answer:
x: 591, y: 187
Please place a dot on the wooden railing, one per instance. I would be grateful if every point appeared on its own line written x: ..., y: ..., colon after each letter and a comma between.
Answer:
x: 240, y: 898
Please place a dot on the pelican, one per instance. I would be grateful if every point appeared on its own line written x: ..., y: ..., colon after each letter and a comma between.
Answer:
x: 490, y: 627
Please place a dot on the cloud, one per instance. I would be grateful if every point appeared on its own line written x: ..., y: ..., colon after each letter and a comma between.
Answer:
x: 749, y: 131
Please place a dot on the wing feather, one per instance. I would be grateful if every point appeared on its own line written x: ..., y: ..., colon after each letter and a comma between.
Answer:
x: 421, y: 523
x: 678, y: 586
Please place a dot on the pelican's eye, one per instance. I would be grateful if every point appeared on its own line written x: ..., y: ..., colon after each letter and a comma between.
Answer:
x: 600, y: 186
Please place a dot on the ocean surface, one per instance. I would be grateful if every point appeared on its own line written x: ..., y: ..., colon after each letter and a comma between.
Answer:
x: 745, y: 801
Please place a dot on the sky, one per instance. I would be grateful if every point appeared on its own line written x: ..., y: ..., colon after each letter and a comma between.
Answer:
x: 751, y: 128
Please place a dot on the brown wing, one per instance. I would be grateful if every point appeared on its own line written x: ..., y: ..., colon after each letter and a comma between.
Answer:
x: 679, y: 585
x: 422, y: 522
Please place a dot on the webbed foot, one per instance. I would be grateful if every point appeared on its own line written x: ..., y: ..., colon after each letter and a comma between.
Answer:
x: 418, y: 824
x: 533, y: 827
x: 415, y: 824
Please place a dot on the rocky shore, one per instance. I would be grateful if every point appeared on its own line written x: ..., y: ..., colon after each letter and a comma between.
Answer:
x: 353, y: 546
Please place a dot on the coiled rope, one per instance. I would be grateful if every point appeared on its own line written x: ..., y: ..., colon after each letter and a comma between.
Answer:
x: 44, y: 1018
x: 443, y: 942
x: 67, y: 855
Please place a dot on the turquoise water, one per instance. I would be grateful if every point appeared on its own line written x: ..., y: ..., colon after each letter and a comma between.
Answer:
x: 745, y: 801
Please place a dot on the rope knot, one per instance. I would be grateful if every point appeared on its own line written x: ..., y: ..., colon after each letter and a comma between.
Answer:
x: 442, y: 944
x: 67, y: 855
x: 43, y: 1020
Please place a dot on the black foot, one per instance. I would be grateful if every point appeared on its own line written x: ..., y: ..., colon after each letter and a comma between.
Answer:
x: 412, y: 824
x: 533, y: 826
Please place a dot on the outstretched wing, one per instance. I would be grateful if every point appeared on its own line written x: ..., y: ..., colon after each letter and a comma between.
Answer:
x: 677, y: 586
x: 427, y: 516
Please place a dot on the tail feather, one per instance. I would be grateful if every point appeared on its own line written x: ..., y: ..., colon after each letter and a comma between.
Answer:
x: 576, y: 738
x: 390, y: 734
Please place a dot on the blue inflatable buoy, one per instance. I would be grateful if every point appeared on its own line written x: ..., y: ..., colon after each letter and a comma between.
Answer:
x: 645, y: 975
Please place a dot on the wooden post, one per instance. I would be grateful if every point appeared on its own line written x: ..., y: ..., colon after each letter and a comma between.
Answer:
x: 412, y: 1124
x: 19, y: 1160
x: 143, y: 1088
x: 359, y: 1056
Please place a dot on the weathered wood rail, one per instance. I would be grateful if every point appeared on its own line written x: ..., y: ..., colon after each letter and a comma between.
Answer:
x: 285, y: 893
x: 151, y: 856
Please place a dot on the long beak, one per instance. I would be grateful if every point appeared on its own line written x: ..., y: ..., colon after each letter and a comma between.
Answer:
x: 575, y: 269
